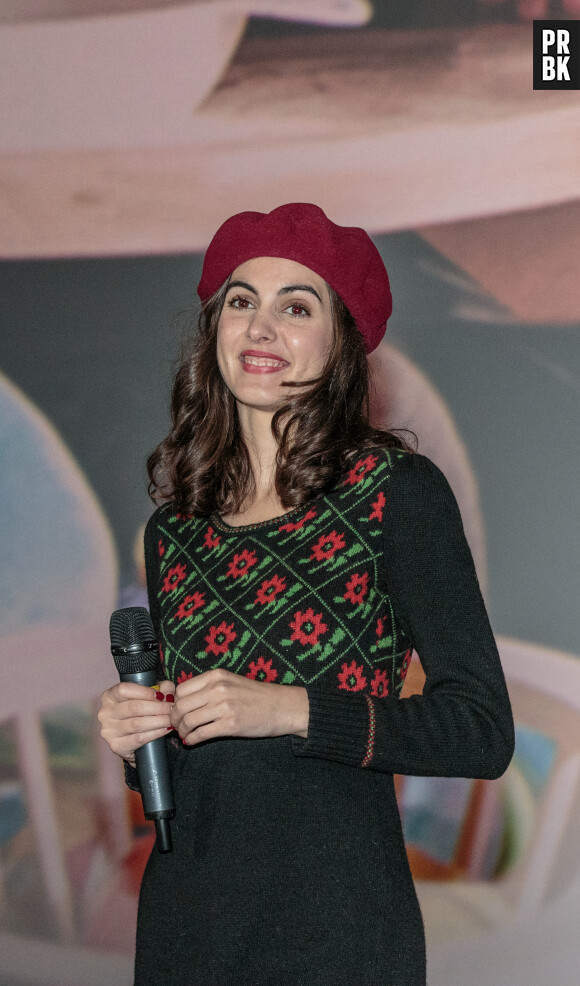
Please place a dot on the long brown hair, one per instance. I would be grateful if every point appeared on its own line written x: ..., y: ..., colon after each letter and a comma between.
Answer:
x: 203, y: 464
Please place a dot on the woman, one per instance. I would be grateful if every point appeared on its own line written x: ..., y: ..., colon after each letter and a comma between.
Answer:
x: 298, y: 558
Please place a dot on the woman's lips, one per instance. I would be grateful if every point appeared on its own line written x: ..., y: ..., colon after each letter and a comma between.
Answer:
x: 254, y: 361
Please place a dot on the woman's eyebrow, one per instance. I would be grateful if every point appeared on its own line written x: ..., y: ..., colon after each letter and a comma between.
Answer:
x: 242, y: 284
x: 300, y: 287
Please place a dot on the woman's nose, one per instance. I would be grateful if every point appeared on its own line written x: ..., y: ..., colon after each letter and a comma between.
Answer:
x: 262, y: 326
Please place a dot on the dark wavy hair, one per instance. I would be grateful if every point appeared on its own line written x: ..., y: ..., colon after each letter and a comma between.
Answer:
x: 203, y: 464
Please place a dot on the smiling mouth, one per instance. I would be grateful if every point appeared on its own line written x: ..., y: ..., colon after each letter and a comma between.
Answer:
x: 263, y: 361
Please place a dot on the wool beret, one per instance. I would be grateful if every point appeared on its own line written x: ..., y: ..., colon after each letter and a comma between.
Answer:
x: 345, y: 256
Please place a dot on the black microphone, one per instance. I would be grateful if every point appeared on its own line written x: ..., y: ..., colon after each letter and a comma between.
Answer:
x: 136, y: 655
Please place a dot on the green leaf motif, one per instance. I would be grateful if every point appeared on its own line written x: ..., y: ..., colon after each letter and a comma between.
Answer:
x: 309, y: 653
x: 189, y: 621
x: 277, y: 604
x: 326, y: 652
x: 355, y: 549
x: 308, y: 530
x: 288, y: 678
x: 329, y: 565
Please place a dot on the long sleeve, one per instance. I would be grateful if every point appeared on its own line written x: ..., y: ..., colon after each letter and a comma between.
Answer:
x: 462, y: 724
x: 152, y: 571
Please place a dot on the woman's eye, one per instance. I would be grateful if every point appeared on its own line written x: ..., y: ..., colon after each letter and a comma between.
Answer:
x: 297, y: 309
x: 239, y: 302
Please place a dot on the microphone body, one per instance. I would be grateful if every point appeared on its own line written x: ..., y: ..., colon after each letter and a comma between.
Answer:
x: 135, y: 652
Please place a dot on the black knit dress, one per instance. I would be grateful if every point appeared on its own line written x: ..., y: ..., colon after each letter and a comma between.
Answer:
x: 288, y: 866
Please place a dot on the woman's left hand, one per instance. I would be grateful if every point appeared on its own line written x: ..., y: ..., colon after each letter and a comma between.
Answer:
x: 220, y: 703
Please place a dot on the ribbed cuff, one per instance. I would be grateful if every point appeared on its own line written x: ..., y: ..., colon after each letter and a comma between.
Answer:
x: 130, y: 776
x: 338, y: 727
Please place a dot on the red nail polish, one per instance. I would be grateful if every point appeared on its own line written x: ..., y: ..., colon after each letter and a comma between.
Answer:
x: 159, y: 696
x: 169, y: 729
x: 169, y: 698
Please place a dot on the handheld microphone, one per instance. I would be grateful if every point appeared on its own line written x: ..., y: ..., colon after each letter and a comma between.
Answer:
x: 136, y: 655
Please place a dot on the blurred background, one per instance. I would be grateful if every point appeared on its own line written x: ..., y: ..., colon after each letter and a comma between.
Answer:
x: 130, y: 131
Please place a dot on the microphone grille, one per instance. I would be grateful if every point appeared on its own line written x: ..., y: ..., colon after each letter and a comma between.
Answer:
x: 133, y: 640
x: 131, y: 626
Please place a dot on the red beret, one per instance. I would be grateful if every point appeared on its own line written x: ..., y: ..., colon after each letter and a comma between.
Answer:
x: 345, y: 256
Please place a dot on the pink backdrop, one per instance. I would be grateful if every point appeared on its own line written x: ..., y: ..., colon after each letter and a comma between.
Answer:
x: 130, y: 130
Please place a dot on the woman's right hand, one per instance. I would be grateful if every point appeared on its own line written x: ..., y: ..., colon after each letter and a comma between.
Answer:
x: 131, y: 715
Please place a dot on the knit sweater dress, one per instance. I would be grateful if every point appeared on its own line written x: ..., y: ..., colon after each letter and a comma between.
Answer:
x: 289, y: 867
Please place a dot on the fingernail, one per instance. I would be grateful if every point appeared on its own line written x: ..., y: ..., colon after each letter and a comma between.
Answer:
x: 169, y: 729
x: 169, y: 698
x: 159, y: 696
x: 184, y: 741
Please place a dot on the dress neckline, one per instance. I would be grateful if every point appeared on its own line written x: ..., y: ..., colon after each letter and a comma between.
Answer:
x: 280, y: 520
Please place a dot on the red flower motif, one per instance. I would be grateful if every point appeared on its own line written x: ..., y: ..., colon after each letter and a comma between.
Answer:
x: 220, y: 638
x: 184, y: 677
x: 309, y: 515
x: 241, y: 563
x: 358, y: 473
x: 326, y: 546
x: 270, y: 589
x: 351, y: 677
x: 380, y: 683
x: 380, y: 626
x: 377, y: 512
x: 308, y: 627
x: 182, y: 516
x: 189, y: 605
x: 405, y: 665
x: 211, y: 540
x: 357, y: 588
x: 161, y: 548
x: 174, y: 576
x: 262, y: 670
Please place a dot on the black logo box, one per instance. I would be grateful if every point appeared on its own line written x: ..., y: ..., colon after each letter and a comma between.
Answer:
x: 556, y: 48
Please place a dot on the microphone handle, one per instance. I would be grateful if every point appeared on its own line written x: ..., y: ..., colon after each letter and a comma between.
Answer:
x: 153, y: 775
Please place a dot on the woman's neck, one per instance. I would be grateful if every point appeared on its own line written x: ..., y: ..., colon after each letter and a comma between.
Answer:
x: 264, y: 504
x: 256, y: 429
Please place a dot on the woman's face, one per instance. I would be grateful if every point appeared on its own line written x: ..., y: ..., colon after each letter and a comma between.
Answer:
x: 276, y: 325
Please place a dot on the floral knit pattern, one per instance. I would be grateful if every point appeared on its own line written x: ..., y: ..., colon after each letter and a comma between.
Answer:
x: 294, y: 600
